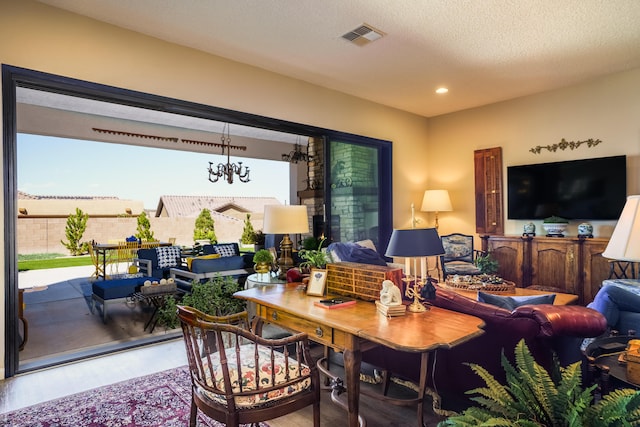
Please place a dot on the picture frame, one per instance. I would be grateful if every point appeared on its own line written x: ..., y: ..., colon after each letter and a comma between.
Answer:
x: 317, y: 282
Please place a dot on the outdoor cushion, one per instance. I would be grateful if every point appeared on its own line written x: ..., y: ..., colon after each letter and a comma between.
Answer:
x: 118, y: 288
x: 511, y: 303
x: 252, y: 373
x: 189, y: 260
x: 217, y: 264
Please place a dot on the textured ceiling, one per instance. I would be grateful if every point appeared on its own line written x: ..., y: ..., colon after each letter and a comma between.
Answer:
x: 484, y: 51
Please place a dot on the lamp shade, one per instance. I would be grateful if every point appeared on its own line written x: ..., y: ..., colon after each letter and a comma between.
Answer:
x: 285, y: 219
x: 415, y: 242
x: 624, y: 244
x: 436, y: 201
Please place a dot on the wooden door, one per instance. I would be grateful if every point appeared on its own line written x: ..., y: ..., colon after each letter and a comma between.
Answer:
x: 595, y: 268
x: 555, y: 263
x: 488, y: 186
x: 510, y: 254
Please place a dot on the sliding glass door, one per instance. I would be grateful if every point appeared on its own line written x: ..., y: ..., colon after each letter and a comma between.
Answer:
x: 358, y: 195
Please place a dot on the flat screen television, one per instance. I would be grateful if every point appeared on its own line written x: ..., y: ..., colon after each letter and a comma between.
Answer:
x: 590, y: 189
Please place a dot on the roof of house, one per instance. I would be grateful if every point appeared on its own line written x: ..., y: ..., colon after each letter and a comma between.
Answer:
x: 37, y: 205
x: 191, y: 206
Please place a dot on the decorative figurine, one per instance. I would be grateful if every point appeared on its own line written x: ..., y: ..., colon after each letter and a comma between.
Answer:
x: 390, y: 294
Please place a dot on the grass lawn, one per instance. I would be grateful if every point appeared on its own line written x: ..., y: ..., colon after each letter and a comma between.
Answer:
x: 42, y: 261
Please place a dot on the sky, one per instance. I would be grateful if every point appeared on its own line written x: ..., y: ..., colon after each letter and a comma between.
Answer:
x: 50, y: 166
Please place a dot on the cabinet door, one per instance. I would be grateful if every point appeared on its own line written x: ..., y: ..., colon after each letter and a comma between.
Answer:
x: 555, y: 263
x: 488, y: 185
x: 596, y: 268
x: 509, y: 252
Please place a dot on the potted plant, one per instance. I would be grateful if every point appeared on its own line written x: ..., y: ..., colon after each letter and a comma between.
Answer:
x: 313, y: 258
x: 263, y: 260
x: 214, y: 297
x: 259, y: 238
x: 248, y: 238
x: 555, y: 225
x: 535, y: 398
x: 487, y: 264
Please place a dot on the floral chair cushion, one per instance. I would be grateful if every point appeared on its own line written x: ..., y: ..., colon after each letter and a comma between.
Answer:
x: 250, y: 374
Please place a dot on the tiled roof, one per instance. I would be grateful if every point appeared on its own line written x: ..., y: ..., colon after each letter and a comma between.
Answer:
x: 191, y: 206
x: 25, y: 196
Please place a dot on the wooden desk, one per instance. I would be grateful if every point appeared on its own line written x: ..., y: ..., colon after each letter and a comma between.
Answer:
x: 561, y: 299
x: 359, y: 327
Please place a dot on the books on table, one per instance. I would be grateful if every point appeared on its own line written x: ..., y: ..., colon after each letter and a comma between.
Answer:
x: 391, y: 310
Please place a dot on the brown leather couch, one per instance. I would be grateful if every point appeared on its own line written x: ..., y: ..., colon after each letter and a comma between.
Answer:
x: 545, y: 328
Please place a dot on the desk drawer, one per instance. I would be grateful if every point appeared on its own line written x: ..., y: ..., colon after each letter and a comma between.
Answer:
x: 319, y: 333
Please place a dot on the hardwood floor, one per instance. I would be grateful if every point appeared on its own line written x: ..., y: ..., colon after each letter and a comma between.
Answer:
x: 39, y: 386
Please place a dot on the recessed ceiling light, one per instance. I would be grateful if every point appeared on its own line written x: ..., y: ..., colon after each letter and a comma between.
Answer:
x: 442, y: 90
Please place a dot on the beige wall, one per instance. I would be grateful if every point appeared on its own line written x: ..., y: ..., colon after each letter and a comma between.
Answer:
x: 606, y: 109
x: 435, y: 153
x: 42, y: 38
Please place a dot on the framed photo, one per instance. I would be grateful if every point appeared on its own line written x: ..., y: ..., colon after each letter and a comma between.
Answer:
x: 317, y: 282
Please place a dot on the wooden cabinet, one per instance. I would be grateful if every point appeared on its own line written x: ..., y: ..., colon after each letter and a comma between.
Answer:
x: 488, y: 185
x: 571, y: 264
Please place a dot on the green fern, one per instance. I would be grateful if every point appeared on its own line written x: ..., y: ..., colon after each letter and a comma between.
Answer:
x: 536, y: 398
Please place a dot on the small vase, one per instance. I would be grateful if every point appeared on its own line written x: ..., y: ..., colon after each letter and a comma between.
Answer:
x: 262, y: 267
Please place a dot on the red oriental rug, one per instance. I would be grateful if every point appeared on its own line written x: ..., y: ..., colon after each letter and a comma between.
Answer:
x: 161, y: 399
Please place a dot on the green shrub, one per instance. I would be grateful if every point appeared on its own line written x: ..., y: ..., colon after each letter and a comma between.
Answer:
x: 75, y: 228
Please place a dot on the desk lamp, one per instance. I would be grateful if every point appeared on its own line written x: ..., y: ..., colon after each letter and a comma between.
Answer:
x: 285, y: 219
x: 415, y: 243
x: 436, y: 201
x: 624, y: 244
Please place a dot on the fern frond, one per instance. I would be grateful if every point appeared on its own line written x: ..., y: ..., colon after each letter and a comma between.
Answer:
x: 614, y: 409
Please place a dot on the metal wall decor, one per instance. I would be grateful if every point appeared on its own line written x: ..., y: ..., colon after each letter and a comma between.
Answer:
x: 228, y: 170
x: 564, y: 144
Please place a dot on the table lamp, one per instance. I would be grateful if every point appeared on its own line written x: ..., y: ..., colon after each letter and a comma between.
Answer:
x: 624, y: 244
x: 415, y: 243
x: 285, y: 219
x: 436, y: 201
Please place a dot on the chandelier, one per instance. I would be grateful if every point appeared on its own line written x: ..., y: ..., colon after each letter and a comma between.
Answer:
x: 297, y: 155
x: 228, y: 170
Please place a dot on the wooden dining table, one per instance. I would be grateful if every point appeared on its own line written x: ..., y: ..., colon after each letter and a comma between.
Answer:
x: 355, y: 328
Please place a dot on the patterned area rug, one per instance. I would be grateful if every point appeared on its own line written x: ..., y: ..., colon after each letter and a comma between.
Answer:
x: 156, y: 400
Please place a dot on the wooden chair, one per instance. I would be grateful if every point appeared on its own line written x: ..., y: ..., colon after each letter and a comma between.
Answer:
x: 460, y: 255
x: 238, y: 377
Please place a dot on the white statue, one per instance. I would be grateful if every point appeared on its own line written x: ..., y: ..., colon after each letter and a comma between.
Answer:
x: 390, y: 294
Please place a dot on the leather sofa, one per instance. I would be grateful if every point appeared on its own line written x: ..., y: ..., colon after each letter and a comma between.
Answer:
x: 545, y: 328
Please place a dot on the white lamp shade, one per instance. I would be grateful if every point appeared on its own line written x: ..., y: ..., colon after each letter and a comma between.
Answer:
x: 624, y: 244
x: 436, y: 201
x: 285, y: 219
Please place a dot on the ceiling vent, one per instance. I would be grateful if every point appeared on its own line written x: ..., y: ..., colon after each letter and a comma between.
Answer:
x: 363, y: 35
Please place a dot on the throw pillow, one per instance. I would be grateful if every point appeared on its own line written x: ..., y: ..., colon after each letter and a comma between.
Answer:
x: 190, y: 259
x: 225, y: 249
x: 168, y: 256
x: 511, y: 303
x: 353, y: 252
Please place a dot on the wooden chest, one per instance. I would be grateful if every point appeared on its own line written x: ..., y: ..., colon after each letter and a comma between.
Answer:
x: 362, y: 281
x: 633, y: 361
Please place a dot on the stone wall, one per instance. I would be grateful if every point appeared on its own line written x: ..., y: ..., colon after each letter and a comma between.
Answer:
x: 43, y: 235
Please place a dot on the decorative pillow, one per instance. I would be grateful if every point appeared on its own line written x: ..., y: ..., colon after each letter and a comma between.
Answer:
x: 251, y: 373
x: 190, y: 259
x: 168, y: 256
x: 511, y: 303
x: 353, y: 252
x: 226, y: 249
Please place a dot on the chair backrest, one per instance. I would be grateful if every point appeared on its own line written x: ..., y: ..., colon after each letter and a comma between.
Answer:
x: 239, y: 371
x: 623, y: 269
x: 457, y: 247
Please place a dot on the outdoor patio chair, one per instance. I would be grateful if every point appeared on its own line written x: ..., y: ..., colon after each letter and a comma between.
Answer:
x: 238, y: 377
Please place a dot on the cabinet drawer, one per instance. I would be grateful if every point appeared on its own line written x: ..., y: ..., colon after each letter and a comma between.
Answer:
x: 319, y: 333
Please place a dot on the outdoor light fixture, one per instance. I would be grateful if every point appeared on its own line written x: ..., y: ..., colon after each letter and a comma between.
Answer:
x: 285, y: 219
x: 227, y: 171
x: 412, y: 244
x: 297, y: 155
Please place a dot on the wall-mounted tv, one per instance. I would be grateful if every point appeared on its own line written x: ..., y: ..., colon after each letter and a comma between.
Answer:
x: 590, y: 189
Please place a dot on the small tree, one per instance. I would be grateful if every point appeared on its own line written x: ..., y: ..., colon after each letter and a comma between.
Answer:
x: 205, y: 227
x: 76, y: 226
x: 144, y: 227
x: 248, y: 233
